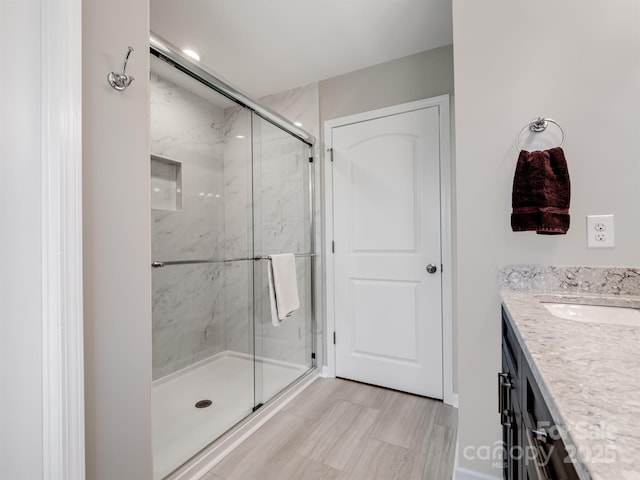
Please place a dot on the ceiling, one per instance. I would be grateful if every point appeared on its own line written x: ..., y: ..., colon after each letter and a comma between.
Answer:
x: 269, y: 46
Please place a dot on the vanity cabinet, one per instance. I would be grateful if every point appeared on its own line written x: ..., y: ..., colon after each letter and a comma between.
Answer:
x: 509, y: 405
x: 533, y: 447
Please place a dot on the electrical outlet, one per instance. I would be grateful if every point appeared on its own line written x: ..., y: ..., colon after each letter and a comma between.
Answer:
x: 600, y: 231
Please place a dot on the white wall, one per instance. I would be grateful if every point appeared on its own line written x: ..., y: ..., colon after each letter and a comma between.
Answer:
x: 574, y: 61
x: 20, y: 244
x: 117, y: 273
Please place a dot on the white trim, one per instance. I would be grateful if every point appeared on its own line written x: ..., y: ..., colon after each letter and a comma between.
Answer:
x: 446, y: 242
x: 464, y: 474
x: 328, y: 370
x: 61, y: 184
x: 442, y: 102
x: 199, y: 466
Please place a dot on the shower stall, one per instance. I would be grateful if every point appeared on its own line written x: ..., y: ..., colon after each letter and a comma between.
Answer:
x: 231, y: 184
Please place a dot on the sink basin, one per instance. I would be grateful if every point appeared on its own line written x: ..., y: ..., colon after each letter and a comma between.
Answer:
x: 595, y: 313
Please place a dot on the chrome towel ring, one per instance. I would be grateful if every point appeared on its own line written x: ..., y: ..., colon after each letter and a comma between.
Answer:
x: 537, y: 126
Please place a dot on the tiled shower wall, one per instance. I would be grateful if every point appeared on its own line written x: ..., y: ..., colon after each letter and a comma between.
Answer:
x: 188, y: 300
x: 285, y: 219
x: 280, y: 182
x: 201, y: 310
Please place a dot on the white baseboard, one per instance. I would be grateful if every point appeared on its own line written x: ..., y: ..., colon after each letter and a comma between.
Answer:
x: 324, y: 373
x: 453, y: 400
x: 464, y: 474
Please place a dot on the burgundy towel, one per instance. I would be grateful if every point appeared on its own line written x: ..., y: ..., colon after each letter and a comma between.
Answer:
x: 541, y: 192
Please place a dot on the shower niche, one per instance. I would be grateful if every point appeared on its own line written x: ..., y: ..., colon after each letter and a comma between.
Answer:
x: 166, y: 183
x: 233, y: 188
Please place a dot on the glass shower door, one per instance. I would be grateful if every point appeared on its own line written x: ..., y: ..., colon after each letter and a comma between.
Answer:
x: 282, y: 224
x: 202, y: 248
x: 227, y: 190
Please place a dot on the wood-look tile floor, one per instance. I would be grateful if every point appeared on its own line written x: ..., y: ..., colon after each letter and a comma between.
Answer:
x: 342, y: 430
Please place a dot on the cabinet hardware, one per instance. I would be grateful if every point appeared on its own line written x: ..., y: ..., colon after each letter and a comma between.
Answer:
x: 504, y: 382
x: 541, y: 435
x: 505, y: 418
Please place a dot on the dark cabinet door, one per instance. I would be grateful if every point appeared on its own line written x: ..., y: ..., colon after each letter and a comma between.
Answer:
x: 509, y: 403
x: 510, y: 418
x: 533, y: 449
x: 545, y: 451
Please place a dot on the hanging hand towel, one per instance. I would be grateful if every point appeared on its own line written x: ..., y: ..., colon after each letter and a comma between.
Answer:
x: 541, y: 192
x: 283, y: 287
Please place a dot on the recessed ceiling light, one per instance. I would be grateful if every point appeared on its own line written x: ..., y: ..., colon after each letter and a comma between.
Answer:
x: 192, y: 54
x: 297, y: 124
x: 239, y: 136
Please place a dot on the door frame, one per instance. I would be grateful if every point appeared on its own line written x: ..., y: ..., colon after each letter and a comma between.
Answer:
x: 63, y: 416
x: 442, y: 103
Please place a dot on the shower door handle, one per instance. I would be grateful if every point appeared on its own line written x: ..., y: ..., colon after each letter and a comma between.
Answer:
x: 431, y: 268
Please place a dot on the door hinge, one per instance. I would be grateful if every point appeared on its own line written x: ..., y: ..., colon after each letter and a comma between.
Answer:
x: 333, y: 246
x: 334, y: 338
x: 330, y: 150
x: 313, y: 356
x: 310, y: 159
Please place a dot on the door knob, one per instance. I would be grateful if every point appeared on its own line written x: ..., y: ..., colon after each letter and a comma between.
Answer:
x: 431, y: 268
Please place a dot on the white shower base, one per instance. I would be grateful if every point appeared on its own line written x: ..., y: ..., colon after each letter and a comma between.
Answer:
x: 180, y: 430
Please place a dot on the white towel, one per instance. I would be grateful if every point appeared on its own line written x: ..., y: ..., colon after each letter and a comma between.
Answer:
x: 283, y: 287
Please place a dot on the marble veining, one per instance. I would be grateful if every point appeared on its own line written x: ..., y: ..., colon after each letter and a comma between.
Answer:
x: 188, y: 301
x: 598, y: 280
x: 244, y: 189
x: 588, y: 373
x: 278, y: 222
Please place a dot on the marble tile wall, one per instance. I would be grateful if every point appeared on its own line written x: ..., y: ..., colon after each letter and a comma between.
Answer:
x: 188, y: 301
x: 282, y: 180
x: 238, y: 228
x: 202, y: 310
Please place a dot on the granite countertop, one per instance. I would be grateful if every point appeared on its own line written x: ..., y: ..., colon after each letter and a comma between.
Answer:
x: 589, y: 373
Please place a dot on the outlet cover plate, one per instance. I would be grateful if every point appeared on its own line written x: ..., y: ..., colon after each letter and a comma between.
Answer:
x: 600, y: 232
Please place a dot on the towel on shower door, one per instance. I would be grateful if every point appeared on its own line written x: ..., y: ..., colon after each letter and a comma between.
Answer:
x: 283, y: 286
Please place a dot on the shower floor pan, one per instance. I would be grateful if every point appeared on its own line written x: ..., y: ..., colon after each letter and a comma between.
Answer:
x: 180, y: 430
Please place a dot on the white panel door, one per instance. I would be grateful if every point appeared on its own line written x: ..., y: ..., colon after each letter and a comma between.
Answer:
x: 388, y: 313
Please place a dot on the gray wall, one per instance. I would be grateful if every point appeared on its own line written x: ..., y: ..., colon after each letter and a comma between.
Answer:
x: 582, y: 69
x: 423, y: 75
x: 20, y: 246
x: 117, y: 274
